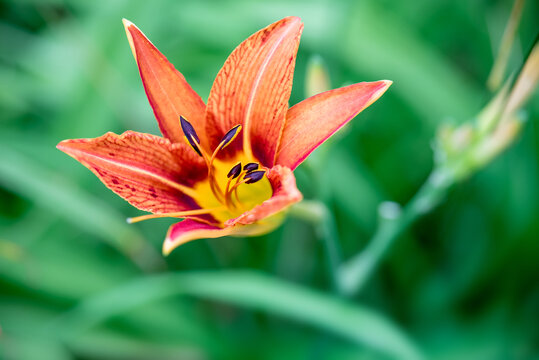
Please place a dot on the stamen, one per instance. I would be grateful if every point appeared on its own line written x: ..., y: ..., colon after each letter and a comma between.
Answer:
x: 234, y: 188
x: 227, y: 193
x: 249, y: 178
x: 173, y: 214
x: 235, y: 171
x: 193, y: 140
x: 230, y: 136
x: 190, y: 134
x: 227, y: 139
x: 253, y: 177
x: 250, y: 167
x: 237, y: 195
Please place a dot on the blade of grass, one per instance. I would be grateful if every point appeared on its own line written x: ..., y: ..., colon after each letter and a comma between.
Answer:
x: 252, y: 290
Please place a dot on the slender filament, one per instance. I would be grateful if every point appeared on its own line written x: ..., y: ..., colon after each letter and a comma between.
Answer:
x: 178, y: 214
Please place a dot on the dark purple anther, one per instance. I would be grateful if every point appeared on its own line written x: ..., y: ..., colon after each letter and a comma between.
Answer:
x: 230, y: 135
x: 254, y: 176
x: 190, y: 134
x: 250, y: 167
x: 235, y: 171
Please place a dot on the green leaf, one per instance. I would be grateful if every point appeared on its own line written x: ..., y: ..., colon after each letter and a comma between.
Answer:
x: 252, y: 290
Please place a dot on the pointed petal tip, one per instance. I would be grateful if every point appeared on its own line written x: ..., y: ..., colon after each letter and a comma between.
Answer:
x: 171, y: 243
x: 168, y: 246
x: 322, y: 115
x: 188, y: 230
x: 167, y: 90
x: 127, y: 23
x: 294, y: 22
x: 378, y: 93
x: 387, y: 83
x: 63, y: 146
x: 295, y: 19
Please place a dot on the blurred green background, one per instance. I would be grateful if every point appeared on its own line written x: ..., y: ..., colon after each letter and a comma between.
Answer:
x: 77, y: 282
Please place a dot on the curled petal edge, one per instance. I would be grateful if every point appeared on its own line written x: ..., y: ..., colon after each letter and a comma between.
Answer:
x: 285, y: 193
x: 189, y: 230
x: 258, y: 221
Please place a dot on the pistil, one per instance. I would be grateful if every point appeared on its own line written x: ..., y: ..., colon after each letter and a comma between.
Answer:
x: 179, y: 214
x: 234, y: 173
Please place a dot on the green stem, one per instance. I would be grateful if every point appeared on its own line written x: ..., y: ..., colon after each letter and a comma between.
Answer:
x: 354, y: 273
x: 496, y: 76
x: 319, y: 215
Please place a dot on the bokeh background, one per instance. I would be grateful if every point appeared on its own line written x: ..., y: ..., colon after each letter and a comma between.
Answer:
x: 77, y: 282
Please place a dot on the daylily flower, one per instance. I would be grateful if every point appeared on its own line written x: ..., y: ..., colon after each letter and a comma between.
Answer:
x: 225, y: 167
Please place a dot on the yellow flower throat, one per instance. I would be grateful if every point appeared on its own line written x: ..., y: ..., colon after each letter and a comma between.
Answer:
x: 231, y: 188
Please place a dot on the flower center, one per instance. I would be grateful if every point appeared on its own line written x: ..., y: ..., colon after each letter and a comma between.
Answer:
x: 230, y: 189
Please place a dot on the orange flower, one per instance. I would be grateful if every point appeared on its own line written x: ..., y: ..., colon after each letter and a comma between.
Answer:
x: 225, y: 167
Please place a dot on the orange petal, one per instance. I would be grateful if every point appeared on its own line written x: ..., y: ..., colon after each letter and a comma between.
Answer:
x: 168, y: 92
x: 314, y: 120
x: 146, y: 170
x: 285, y: 193
x: 253, y: 88
x: 188, y: 230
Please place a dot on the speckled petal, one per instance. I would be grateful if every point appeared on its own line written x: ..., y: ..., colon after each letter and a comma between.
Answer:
x: 146, y: 170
